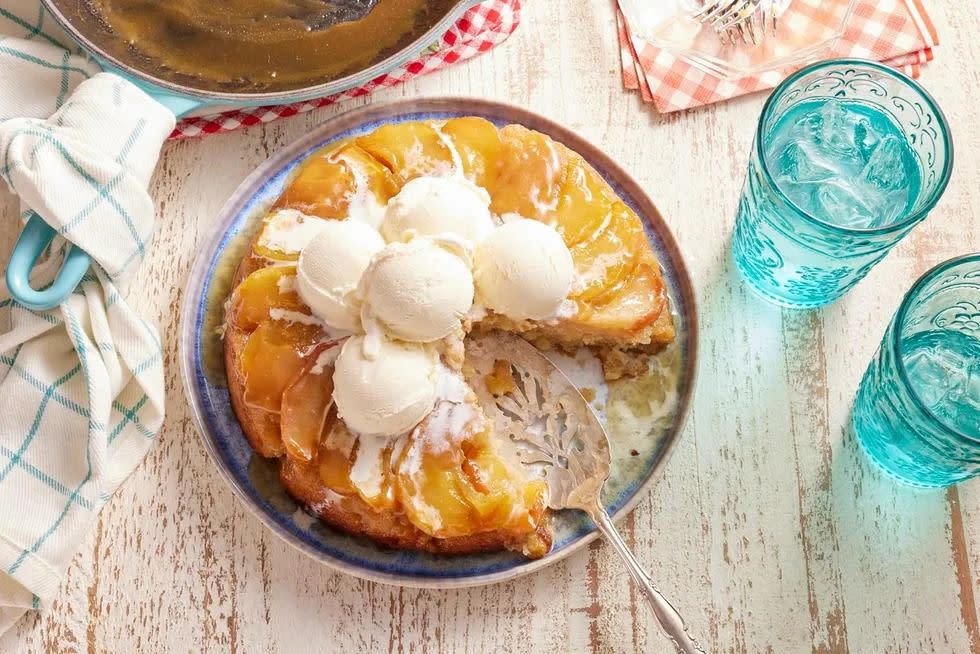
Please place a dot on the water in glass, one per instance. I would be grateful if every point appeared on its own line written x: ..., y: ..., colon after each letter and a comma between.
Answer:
x: 844, y: 162
x: 944, y: 370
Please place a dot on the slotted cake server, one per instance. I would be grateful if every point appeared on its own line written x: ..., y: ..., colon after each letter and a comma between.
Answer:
x: 549, y: 427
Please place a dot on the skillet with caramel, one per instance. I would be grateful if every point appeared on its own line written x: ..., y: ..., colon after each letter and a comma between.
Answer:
x: 253, y: 46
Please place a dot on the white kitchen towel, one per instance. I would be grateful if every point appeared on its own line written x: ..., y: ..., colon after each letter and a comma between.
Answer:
x: 81, y: 386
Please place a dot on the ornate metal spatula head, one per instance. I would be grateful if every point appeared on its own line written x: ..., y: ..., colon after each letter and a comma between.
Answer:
x: 545, y: 424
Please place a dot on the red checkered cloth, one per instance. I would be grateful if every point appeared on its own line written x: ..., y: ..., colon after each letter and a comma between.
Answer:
x: 480, y: 29
x: 896, y: 32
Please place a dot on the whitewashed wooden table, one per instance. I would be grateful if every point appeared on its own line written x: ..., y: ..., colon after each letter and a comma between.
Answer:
x: 769, y: 527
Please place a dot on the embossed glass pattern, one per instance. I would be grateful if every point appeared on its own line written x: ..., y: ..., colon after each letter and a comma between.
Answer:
x: 917, y: 411
x: 806, y: 257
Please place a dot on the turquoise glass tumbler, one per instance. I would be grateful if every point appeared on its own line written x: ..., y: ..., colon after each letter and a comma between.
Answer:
x: 917, y: 412
x: 848, y: 157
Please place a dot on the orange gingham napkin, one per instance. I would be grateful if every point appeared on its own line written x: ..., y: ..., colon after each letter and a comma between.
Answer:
x: 896, y: 32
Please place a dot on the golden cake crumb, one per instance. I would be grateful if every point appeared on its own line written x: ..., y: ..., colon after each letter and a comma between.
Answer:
x: 617, y: 364
x: 501, y: 380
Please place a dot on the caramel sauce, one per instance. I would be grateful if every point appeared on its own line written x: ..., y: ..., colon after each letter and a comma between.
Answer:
x: 261, y: 45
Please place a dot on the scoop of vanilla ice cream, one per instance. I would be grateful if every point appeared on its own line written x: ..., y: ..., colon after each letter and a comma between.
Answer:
x: 523, y: 270
x: 439, y: 205
x: 388, y: 394
x: 330, y: 267
x: 417, y: 291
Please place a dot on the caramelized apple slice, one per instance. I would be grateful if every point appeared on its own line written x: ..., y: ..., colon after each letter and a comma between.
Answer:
x: 498, y: 495
x: 300, y: 227
x: 478, y: 143
x: 604, y: 260
x: 409, y: 150
x: 372, y: 176
x: 322, y: 187
x: 272, y: 358
x: 265, y: 289
x: 331, y: 187
x: 532, y: 172
x: 349, y: 467
x: 305, y: 404
x: 371, y: 473
x: 638, y: 302
x: 584, y: 205
x: 336, y: 458
x: 464, y: 488
x: 487, y: 485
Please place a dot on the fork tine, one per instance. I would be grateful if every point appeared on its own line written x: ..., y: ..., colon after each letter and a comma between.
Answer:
x: 710, y: 8
x: 732, y: 35
x: 744, y: 10
x: 759, y: 20
x: 748, y: 21
x: 765, y: 17
x: 750, y: 28
x: 706, y: 7
x: 724, y: 9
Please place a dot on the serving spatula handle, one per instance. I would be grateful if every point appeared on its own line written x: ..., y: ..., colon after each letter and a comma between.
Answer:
x: 670, y: 620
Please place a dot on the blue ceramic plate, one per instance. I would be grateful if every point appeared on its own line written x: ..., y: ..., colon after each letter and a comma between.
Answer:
x: 255, y: 480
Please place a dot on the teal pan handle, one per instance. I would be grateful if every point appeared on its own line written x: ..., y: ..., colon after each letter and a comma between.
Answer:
x: 36, y: 236
x: 179, y: 105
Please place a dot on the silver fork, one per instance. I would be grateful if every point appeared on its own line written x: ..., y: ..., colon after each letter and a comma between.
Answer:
x: 747, y: 21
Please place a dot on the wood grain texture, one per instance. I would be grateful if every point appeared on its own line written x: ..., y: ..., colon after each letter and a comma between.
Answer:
x: 769, y: 527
